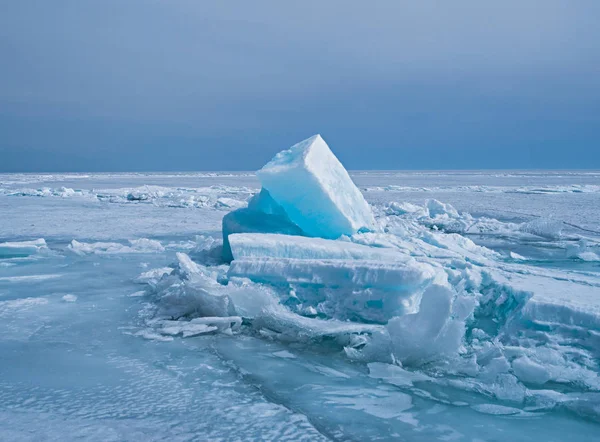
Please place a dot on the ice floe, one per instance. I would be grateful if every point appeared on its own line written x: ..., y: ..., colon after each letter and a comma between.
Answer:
x: 142, y: 245
x: 22, y: 248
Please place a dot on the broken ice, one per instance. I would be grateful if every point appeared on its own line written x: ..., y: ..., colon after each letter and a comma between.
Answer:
x: 305, y: 191
x: 432, y: 312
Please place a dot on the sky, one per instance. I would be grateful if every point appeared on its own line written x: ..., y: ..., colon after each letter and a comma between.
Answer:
x: 166, y: 85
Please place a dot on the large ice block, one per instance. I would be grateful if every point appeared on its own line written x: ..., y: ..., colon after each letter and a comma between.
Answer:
x: 339, y: 279
x: 262, y: 215
x: 402, y: 278
x: 271, y: 245
x: 315, y: 191
x: 285, y: 258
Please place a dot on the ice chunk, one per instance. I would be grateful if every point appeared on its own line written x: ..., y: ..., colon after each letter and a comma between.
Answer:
x: 444, y: 217
x: 261, y: 245
x: 404, y: 278
x: 142, y: 245
x: 316, y: 261
x: 437, y: 330
x: 192, y: 290
x: 278, y: 322
x: 22, y: 248
x: 544, y: 228
x: 315, y: 191
x: 402, y: 208
x: 340, y: 279
x: 263, y: 214
x: 437, y: 208
x: 306, y: 191
x: 198, y: 326
x: 154, y: 275
x: 395, y: 375
x: 530, y: 371
x: 581, y: 251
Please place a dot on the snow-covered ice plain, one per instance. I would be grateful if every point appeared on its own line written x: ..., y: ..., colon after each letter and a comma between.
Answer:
x: 468, y: 308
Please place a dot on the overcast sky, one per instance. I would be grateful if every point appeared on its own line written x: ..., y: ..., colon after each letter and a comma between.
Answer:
x: 140, y: 85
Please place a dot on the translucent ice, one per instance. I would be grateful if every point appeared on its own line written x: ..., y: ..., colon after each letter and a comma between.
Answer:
x: 436, y: 329
x: 340, y: 279
x: 315, y: 190
x: 305, y: 191
x: 142, y: 245
x: 261, y: 245
x: 263, y: 214
x: 529, y: 371
x: 21, y: 248
x: 480, y: 343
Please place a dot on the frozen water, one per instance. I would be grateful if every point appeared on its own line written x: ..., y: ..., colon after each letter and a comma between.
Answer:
x: 341, y: 278
x: 263, y: 214
x: 305, y: 191
x: 21, y: 248
x: 471, y: 312
x: 315, y: 190
x: 285, y: 246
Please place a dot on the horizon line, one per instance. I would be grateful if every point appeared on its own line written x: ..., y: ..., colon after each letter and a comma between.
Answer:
x: 349, y: 170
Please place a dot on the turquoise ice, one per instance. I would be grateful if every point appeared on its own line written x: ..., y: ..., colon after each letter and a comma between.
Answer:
x: 305, y: 191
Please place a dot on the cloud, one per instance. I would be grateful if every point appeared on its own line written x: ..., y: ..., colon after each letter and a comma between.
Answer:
x: 442, y: 76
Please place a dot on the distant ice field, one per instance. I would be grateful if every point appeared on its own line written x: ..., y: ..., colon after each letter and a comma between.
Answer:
x: 119, y: 320
x: 569, y: 196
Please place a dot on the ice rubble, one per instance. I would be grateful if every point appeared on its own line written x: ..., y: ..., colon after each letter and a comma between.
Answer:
x: 216, y: 197
x: 344, y: 277
x: 305, y: 191
x: 411, y: 292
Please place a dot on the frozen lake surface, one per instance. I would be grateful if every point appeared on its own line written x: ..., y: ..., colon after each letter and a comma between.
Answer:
x: 118, y: 321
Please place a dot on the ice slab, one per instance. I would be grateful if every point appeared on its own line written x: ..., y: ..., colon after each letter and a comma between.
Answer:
x: 263, y: 214
x: 198, y: 326
x: 318, y: 261
x: 315, y: 190
x: 338, y: 279
x: 558, y: 300
x: 305, y: 191
x: 436, y: 329
x: 353, y: 274
x: 287, y: 326
x: 142, y: 245
x: 22, y: 248
x: 261, y: 245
